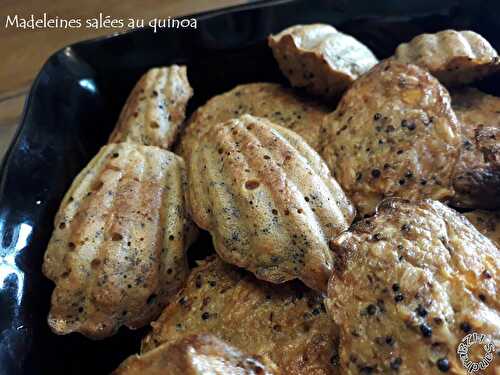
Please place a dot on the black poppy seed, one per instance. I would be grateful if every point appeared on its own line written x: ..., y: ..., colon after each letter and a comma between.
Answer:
x: 366, y: 370
x: 421, y: 311
x: 316, y: 312
x: 465, y: 327
x: 482, y: 297
x: 205, y: 316
x: 371, y: 309
x: 389, y: 340
x: 425, y: 330
x: 377, y: 116
x: 395, y: 287
x: 399, y: 297
x: 486, y: 274
x: 375, y: 173
x: 443, y: 364
x: 198, y: 282
x: 396, y: 363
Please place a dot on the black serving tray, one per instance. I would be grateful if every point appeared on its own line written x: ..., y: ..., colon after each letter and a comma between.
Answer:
x: 74, y: 103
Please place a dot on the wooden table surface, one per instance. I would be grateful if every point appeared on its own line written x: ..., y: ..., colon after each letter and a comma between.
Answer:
x: 25, y: 51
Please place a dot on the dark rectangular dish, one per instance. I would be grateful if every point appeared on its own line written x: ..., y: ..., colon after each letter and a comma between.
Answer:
x: 75, y: 101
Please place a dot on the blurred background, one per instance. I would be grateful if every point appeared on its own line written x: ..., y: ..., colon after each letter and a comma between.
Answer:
x: 25, y: 51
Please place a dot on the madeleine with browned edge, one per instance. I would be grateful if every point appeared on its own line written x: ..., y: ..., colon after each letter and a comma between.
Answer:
x: 285, y: 323
x: 454, y: 57
x: 118, y: 250
x: 394, y: 134
x: 281, y: 105
x: 415, y: 280
x: 320, y: 58
x: 196, y: 355
x: 477, y: 174
x: 268, y: 200
x: 156, y: 108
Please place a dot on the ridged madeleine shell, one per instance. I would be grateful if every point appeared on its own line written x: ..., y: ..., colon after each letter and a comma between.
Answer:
x: 286, y: 323
x: 197, y: 355
x: 155, y: 109
x: 320, y: 58
x: 118, y: 250
x: 453, y: 57
x: 268, y: 200
x: 281, y: 105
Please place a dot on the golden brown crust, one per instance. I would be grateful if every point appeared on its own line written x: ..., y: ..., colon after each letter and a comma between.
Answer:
x: 393, y: 134
x: 268, y: 200
x: 320, y: 58
x: 477, y: 174
x: 196, y: 355
x: 486, y: 222
x: 417, y: 278
x: 117, y: 252
x: 453, y: 57
x: 278, y: 104
x: 155, y: 109
x: 286, y: 323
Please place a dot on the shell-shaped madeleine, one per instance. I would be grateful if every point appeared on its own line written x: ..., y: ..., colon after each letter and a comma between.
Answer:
x: 155, y: 109
x: 320, y: 58
x: 118, y: 250
x: 393, y: 134
x: 197, y: 355
x: 281, y: 105
x: 416, y: 279
x: 286, y: 323
x: 268, y: 200
x: 453, y: 57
